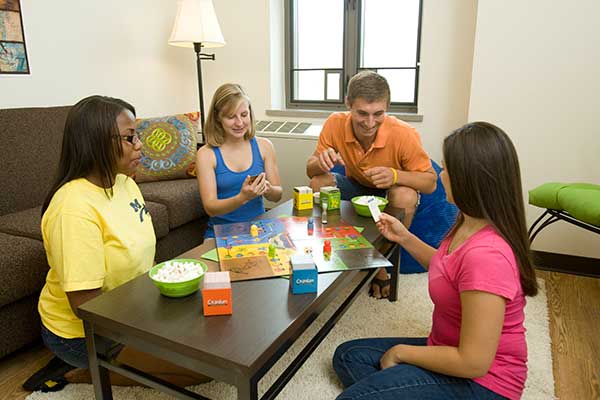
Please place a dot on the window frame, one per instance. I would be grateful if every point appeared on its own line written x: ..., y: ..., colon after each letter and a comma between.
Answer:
x: 351, y: 62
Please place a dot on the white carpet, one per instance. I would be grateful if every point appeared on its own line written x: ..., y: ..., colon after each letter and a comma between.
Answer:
x: 367, y: 317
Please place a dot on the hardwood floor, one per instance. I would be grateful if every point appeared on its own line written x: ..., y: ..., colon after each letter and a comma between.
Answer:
x: 574, y: 309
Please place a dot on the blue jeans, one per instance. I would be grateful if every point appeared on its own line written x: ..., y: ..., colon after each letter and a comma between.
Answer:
x: 349, y: 188
x: 356, y: 363
x: 74, y: 351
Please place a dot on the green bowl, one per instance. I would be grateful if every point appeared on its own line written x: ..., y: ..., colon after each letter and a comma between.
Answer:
x: 178, y: 289
x: 363, y: 210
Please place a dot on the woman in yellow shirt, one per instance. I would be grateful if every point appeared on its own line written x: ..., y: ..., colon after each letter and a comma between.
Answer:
x: 97, y: 235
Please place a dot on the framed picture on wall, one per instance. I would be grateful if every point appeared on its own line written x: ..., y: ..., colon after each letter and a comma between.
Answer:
x: 13, y: 52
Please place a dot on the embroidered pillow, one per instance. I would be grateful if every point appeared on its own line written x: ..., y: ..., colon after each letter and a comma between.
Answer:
x: 168, y: 147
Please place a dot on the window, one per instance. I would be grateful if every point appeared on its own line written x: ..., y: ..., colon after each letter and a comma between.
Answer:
x: 328, y: 41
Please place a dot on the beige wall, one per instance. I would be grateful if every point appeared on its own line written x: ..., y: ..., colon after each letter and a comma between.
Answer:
x: 110, y: 47
x: 120, y: 49
x: 535, y: 74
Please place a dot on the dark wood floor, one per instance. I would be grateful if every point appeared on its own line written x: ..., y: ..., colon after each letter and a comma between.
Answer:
x: 574, y: 308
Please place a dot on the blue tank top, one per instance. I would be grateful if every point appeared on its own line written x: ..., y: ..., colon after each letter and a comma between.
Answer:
x: 229, y: 184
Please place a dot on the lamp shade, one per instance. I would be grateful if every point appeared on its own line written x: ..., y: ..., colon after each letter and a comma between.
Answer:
x: 196, y: 22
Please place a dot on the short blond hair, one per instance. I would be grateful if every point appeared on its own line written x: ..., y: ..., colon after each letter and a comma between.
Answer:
x: 370, y: 86
x: 227, y: 98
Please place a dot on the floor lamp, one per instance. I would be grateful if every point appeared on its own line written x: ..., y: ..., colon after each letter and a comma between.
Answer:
x: 196, y: 26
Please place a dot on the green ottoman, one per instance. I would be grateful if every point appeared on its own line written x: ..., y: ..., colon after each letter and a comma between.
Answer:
x: 576, y: 203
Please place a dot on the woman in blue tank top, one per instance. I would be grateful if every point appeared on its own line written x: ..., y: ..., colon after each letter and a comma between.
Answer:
x: 235, y: 169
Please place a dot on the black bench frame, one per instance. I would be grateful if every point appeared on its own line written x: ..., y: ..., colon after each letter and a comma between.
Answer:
x: 558, y: 215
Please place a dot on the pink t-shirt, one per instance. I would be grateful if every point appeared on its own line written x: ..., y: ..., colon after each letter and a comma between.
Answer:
x: 484, y: 262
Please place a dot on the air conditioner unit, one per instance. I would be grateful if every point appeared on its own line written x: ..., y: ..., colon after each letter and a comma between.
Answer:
x: 288, y: 129
x: 294, y: 143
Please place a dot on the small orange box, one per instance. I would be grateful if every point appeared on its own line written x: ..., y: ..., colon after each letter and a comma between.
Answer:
x: 217, y: 301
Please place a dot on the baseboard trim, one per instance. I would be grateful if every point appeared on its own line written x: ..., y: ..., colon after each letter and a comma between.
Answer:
x: 567, y: 264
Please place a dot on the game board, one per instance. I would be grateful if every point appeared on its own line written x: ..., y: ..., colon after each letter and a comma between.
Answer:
x: 246, y: 257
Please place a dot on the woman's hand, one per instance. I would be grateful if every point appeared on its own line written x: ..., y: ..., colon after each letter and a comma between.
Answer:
x: 258, y: 187
x: 391, y: 228
x: 392, y: 357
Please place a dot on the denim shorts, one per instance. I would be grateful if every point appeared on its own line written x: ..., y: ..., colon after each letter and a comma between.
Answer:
x: 74, y: 351
x: 349, y: 188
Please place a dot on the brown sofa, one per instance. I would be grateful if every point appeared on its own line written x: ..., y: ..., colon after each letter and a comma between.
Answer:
x: 29, y: 151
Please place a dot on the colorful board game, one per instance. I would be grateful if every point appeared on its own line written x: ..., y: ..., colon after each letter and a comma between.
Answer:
x: 244, y: 250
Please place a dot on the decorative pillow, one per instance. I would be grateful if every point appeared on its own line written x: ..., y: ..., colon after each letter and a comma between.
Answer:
x: 168, y: 147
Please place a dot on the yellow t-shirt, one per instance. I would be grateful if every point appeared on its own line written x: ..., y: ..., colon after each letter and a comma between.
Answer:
x: 92, y: 242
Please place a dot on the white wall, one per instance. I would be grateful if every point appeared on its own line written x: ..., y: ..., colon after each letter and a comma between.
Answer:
x: 535, y: 75
x: 110, y: 47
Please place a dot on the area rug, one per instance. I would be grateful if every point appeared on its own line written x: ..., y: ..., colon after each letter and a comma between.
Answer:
x: 367, y: 317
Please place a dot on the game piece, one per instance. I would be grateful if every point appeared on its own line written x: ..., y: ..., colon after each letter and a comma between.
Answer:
x: 373, y: 208
x: 310, y: 226
x: 272, y: 251
x: 327, y: 247
x: 253, y: 230
x: 216, y: 294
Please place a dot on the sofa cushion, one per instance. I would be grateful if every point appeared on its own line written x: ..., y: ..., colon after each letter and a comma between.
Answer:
x: 160, y: 218
x: 181, y: 196
x: 27, y: 223
x: 24, y: 223
x: 23, y: 267
x: 168, y: 147
x: 27, y: 170
x: 581, y: 200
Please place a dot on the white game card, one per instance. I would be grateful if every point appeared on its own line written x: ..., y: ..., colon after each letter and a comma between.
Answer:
x: 375, y: 213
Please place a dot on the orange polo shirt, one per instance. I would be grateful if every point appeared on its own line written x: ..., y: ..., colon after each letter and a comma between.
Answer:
x: 397, y: 145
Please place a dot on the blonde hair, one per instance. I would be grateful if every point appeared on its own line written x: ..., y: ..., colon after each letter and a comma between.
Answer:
x: 370, y: 86
x: 227, y: 98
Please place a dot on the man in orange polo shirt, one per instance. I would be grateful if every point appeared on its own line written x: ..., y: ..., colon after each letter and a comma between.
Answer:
x: 381, y: 154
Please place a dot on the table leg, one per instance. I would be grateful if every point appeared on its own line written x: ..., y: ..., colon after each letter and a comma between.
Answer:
x: 100, y: 376
x: 395, y: 273
x: 247, y: 389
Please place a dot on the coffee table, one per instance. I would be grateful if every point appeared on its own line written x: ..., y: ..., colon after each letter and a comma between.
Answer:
x: 237, y: 349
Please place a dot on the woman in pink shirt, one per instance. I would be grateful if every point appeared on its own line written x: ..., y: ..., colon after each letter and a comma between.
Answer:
x: 478, y: 280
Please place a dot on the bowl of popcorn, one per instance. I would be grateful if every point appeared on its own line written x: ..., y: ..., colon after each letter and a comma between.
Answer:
x: 178, y: 277
x: 361, y: 204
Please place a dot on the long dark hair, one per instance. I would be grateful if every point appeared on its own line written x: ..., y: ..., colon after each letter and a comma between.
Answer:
x: 89, y: 143
x: 486, y: 183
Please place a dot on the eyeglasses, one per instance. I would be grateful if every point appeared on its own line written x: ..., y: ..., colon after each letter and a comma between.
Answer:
x: 130, y: 138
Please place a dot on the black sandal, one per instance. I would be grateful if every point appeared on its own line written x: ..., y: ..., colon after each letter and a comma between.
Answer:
x: 381, y: 283
x: 50, y: 378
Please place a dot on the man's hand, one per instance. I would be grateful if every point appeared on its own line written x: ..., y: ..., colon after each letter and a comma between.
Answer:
x: 382, y: 177
x: 328, y: 158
